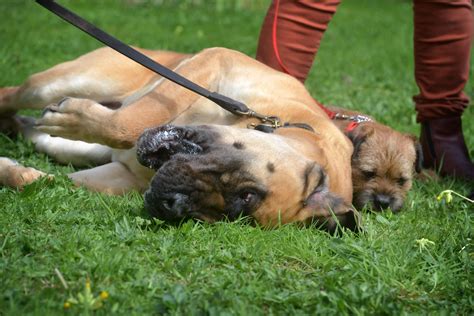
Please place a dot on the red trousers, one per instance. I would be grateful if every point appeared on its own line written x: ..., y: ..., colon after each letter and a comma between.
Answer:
x: 442, y: 36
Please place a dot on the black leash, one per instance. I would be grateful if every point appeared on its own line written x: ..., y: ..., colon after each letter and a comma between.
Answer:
x: 226, y: 103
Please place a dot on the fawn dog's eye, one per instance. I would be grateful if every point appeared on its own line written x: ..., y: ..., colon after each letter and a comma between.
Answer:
x: 244, y: 201
x: 248, y: 197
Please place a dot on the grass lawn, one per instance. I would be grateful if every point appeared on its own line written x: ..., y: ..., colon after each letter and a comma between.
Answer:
x: 53, y: 237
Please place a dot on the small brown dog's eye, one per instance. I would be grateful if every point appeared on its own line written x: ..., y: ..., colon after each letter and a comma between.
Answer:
x: 369, y: 174
x: 402, y: 181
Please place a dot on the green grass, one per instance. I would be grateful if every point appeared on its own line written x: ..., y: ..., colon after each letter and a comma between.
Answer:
x: 365, y: 62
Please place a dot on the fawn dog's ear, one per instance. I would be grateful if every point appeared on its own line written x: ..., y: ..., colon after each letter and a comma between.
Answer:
x: 358, y: 136
x: 419, y: 152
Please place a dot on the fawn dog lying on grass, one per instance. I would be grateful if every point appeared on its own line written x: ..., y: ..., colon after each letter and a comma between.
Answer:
x: 190, y: 157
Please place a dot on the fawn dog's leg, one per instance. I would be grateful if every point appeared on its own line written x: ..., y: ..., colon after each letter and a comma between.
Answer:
x: 15, y: 175
x: 112, y: 178
x: 87, y: 120
x: 102, y: 75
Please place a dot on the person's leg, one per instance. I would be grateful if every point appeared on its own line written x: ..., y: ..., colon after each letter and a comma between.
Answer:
x: 291, y: 34
x: 442, y: 38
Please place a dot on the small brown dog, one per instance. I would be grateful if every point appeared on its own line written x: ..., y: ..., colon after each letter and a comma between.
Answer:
x: 383, y: 163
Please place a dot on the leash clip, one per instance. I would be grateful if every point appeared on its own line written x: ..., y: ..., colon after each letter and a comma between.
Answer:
x: 271, y: 121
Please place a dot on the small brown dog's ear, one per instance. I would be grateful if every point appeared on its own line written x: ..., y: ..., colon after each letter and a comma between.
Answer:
x: 419, y: 153
x: 419, y: 157
x: 356, y: 140
x: 358, y: 136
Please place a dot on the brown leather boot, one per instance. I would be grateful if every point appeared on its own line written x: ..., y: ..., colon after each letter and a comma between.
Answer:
x: 444, y: 148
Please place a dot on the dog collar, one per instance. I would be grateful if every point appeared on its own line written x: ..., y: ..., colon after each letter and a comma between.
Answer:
x: 268, y: 128
x: 355, y: 120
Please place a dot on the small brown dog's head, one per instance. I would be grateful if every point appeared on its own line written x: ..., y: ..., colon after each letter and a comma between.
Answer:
x: 383, y: 164
x: 213, y: 172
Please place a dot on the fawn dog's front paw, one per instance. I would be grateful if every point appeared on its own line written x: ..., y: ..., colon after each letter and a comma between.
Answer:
x: 77, y: 119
